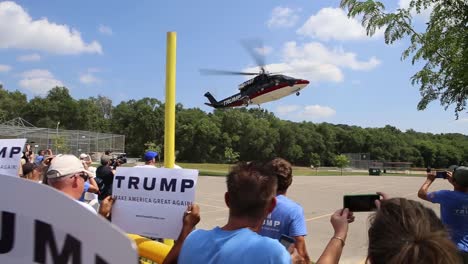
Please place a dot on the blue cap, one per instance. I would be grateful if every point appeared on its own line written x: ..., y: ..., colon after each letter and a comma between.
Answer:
x: 149, y: 155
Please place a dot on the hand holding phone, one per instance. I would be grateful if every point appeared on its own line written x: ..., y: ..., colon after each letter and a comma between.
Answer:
x: 360, y: 202
x: 441, y: 174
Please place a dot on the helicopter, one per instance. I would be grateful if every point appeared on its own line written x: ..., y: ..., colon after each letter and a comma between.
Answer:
x: 264, y: 87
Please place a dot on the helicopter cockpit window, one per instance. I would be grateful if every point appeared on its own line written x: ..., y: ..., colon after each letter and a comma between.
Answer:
x: 287, y: 77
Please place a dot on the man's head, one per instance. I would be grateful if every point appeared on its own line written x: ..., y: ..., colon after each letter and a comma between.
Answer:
x: 251, y: 190
x: 460, y: 177
x: 41, y: 152
x: 283, y: 171
x: 150, y: 157
x: 86, y: 158
x: 105, y: 160
x: 32, y: 171
x: 67, y: 174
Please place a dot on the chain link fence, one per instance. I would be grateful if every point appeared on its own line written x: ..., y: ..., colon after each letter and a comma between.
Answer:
x: 61, y: 140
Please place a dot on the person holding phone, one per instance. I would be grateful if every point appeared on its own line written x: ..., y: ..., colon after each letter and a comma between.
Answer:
x: 453, y: 205
x: 287, y: 219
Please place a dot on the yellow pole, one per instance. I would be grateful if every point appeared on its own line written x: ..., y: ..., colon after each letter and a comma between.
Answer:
x: 169, y: 129
x: 169, y: 126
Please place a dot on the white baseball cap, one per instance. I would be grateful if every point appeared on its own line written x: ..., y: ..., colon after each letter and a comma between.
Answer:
x: 63, y: 165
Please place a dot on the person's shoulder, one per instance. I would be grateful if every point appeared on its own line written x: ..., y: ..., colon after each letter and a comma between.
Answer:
x: 198, y: 233
x: 195, y: 237
x: 441, y: 196
x: 270, y: 245
x: 288, y: 203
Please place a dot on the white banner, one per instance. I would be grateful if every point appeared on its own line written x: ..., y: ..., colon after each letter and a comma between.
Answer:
x: 11, y: 151
x: 42, y: 225
x: 151, y: 201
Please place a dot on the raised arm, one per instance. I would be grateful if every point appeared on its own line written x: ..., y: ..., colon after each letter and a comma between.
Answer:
x: 190, y: 220
x: 422, y: 193
x: 339, y: 221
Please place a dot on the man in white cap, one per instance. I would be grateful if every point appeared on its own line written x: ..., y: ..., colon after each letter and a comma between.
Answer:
x: 67, y: 174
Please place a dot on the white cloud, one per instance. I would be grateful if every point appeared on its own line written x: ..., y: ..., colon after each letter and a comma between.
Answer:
x: 333, y: 23
x: 29, y: 57
x: 424, y: 15
x: 88, y: 78
x: 286, y: 109
x: 5, y: 68
x: 18, y: 30
x: 39, y: 81
x: 283, y: 17
x: 316, y: 112
x: 105, y: 30
x: 315, y: 62
x: 265, y: 50
x: 307, y: 113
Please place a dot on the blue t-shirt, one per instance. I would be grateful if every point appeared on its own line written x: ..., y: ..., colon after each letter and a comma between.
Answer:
x: 86, y: 187
x: 226, y: 247
x: 454, y: 214
x: 286, y: 219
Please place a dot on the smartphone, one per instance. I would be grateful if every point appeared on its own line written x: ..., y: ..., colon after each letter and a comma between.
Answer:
x: 286, y: 241
x: 441, y: 174
x: 360, y: 202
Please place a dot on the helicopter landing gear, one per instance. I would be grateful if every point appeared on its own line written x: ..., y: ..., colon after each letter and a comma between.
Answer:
x: 298, y: 93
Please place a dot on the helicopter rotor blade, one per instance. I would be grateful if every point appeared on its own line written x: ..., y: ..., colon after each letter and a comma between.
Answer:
x: 223, y: 72
x: 251, y: 46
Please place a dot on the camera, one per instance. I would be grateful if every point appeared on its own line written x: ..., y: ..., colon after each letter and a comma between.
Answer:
x: 119, y: 160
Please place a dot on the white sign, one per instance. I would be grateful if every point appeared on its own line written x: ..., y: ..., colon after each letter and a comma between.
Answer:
x: 151, y: 201
x: 10, y: 155
x: 42, y: 225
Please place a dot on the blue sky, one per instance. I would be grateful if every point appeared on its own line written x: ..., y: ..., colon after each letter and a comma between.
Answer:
x: 117, y: 49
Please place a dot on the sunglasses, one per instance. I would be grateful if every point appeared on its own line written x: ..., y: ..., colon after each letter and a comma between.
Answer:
x: 83, y: 175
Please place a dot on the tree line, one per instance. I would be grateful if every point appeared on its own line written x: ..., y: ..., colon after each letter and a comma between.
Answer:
x: 233, y: 134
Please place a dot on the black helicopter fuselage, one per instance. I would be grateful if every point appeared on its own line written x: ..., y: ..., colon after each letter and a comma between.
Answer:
x: 261, y: 89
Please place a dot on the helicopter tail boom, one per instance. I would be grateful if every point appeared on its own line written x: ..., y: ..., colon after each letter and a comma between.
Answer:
x: 212, y: 100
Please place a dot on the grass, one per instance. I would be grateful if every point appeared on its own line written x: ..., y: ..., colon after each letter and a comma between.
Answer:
x: 211, y: 169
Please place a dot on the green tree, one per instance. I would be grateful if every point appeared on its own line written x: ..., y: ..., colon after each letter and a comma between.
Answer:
x: 60, y: 144
x: 57, y: 106
x: 341, y: 161
x: 230, y: 156
x: 443, y: 46
x: 11, y: 104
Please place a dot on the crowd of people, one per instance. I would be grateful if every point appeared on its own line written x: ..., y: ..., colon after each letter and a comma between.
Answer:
x: 260, y: 214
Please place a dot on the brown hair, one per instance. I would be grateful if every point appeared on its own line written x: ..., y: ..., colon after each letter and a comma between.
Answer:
x: 283, y: 171
x: 251, y: 187
x: 404, y: 231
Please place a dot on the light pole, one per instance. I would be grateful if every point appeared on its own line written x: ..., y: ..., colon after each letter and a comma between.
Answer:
x: 56, y: 137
